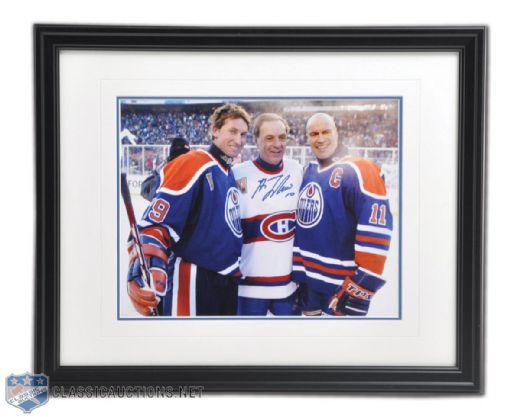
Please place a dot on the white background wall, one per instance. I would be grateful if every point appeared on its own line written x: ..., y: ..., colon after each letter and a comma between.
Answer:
x: 17, y: 173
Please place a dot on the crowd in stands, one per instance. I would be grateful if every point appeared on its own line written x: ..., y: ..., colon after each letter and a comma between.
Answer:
x: 155, y: 128
x: 357, y: 129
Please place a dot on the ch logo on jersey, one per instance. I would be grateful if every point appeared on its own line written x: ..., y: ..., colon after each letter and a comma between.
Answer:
x: 310, y: 205
x: 279, y: 227
x: 232, y: 213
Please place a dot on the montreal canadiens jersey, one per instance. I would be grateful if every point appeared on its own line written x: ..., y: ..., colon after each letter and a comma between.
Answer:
x: 196, y: 213
x: 344, y: 224
x: 268, y: 211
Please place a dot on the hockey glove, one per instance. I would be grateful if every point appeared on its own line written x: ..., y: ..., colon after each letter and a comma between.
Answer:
x: 150, y: 186
x: 145, y: 297
x: 353, y: 299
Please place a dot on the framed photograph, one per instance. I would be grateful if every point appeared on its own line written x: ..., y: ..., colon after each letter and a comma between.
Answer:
x: 273, y: 205
x: 261, y: 209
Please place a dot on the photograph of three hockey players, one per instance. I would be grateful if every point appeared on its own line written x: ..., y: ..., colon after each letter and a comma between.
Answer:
x: 260, y: 208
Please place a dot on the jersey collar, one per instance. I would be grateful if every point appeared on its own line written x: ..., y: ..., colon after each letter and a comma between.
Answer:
x: 224, y: 160
x: 267, y: 167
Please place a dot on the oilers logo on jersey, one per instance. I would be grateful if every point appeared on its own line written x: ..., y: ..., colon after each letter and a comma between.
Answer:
x: 279, y: 227
x: 310, y: 205
x: 344, y: 226
x: 232, y: 212
x: 197, y: 186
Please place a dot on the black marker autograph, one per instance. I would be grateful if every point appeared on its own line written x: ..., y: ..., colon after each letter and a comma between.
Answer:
x: 277, y: 186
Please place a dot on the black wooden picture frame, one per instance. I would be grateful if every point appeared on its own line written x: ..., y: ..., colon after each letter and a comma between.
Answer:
x: 470, y: 45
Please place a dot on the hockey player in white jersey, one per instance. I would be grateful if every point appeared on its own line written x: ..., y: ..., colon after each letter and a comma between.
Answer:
x: 344, y: 227
x: 268, y: 196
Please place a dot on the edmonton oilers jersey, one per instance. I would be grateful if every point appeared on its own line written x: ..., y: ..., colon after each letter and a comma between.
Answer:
x: 344, y: 224
x: 197, y: 206
x: 268, y: 204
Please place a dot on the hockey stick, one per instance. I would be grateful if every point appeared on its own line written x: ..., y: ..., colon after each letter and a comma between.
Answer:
x: 145, y: 269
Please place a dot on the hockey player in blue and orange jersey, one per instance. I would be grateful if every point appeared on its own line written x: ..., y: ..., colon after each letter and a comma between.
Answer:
x: 344, y: 227
x: 193, y: 224
x: 269, y: 189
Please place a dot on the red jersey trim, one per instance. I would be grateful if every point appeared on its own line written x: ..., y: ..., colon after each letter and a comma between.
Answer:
x: 265, y: 171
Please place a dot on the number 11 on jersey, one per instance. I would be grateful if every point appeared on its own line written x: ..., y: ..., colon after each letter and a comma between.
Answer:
x: 378, y: 210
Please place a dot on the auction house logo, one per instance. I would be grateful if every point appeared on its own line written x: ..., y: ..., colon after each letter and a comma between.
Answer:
x: 27, y: 391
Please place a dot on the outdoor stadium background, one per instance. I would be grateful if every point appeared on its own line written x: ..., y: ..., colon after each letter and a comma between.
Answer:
x: 368, y: 127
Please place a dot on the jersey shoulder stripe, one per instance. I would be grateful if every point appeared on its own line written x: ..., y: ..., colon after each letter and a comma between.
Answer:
x: 369, y: 175
x: 178, y: 176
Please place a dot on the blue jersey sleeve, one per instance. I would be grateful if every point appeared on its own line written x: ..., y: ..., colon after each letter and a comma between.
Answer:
x: 366, y: 198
